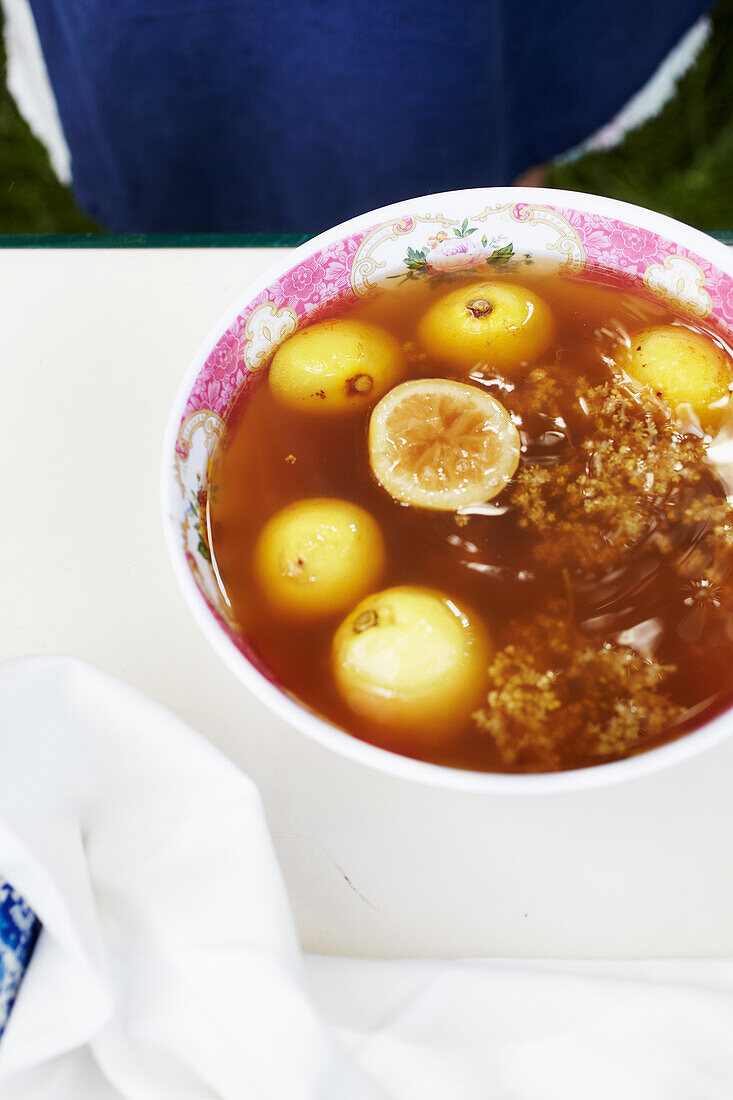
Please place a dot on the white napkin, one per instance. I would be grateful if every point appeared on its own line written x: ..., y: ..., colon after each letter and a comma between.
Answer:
x: 168, y: 965
x: 511, y: 1030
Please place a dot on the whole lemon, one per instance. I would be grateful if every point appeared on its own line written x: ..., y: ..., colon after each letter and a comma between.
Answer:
x: 410, y: 657
x: 680, y: 365
x: 336, y: 366
x: 317, y: 557
x: 498, y: 325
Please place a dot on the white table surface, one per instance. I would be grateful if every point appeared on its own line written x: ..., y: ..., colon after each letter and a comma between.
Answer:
x: 93, y: 344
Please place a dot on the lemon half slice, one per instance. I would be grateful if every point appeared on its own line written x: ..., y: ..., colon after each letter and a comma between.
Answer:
x: 441, y: 444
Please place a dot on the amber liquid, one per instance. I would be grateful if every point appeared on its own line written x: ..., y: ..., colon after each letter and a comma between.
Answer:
x: 273, y: 456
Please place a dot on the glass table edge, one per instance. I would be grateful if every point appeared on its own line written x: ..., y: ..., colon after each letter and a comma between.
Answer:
x: 185, y: 240
x: 153, y: 240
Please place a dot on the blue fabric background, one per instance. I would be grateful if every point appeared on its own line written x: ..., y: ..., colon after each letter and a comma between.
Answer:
x: 291, y: 115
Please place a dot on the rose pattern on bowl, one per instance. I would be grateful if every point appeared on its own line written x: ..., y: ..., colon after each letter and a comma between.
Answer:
x: 440, y: 245
x: 306, y: 292
x: 427, y: 243
x: 666, y: 269
x: 462, y: 250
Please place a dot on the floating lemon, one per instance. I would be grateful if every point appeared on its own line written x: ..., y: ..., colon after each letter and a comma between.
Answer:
x: 336, y: 366
x: 680, y: 364
x: 317, y: 557
x: 412, y: 658
x: 441, y: 444
x: 499, y: 325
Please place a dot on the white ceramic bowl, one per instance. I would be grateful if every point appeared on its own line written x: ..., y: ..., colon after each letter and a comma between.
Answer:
x: 669, y: 259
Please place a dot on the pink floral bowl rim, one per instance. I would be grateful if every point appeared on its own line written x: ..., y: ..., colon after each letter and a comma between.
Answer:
x: 472, y: 229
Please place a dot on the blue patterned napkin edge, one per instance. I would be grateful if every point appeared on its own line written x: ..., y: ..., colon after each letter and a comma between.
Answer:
x: 19, y: 928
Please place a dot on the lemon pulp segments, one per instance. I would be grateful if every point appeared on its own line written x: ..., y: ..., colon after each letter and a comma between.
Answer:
x: 440, y: 444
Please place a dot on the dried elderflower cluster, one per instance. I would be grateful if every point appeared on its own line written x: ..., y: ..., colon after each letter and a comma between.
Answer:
x: 557, y: 697
x: 542, y: 393
x: 616, y: 488
x: 708, y: 561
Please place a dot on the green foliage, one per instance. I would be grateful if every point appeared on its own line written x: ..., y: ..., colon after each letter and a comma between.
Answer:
x: 681, y: 161
x: 501, y: 255
x: 464, y: 231
x: 416, y: 260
